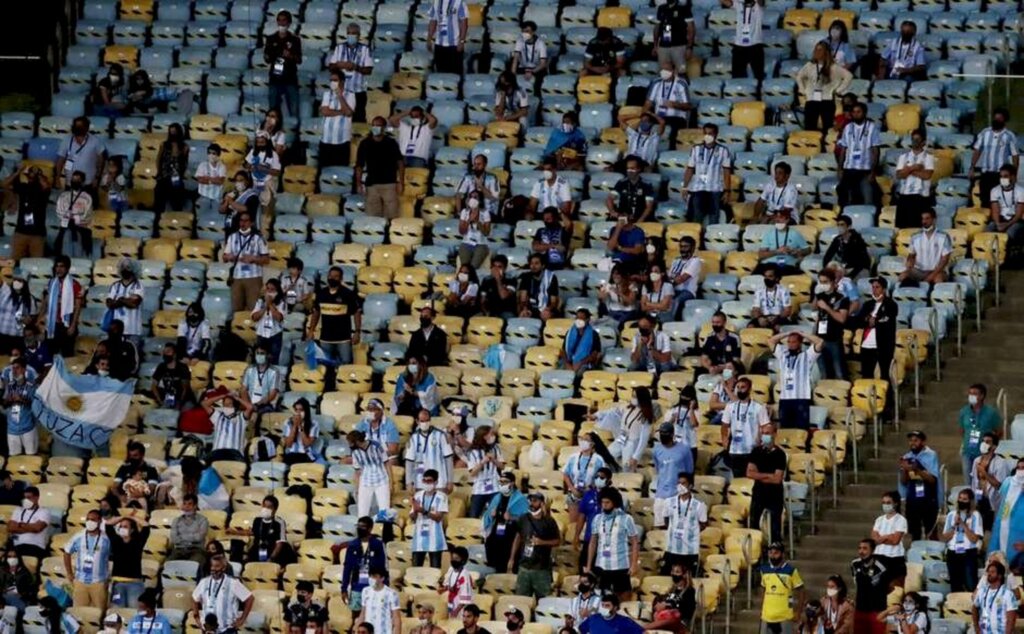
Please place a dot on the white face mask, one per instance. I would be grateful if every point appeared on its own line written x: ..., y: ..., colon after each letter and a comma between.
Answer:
x: 972, y: 399
x: 832, y: 591
x: 12, y: 562
x: 505, y: 489
x: 282, y: 29
x: 548, y: 175
x: 26, y: 503
x: 228, y: 411
x: 781, y: 226
x: 708, y: 139
x: 91, y: 525
x: 568, y: 128
x: 463, y: 277
x: 527, y: 35
x: 600, y: 482
x: 727, y: 373
x: 682, y: 489
x: 123, y: 531
x: 423, y: 425
x: 472, y: 203
x: 605, y: 612
x: 1019, y: 477
x: 650, y: 249
x: 1005, y: 182
x: 666, y: 74
x: 239, y: 187
x: 17, y: 285
x: 586, y: 445
x: 429, y: 488
x: 836, y: 34
x: 909, y: 606
x: 984, y: 448
x: 103, y: 372
x: 266, y: 513
x: 414, y: 368
x: 334, y: 85
x: 822, y: 289
x: 581, y: 324
x: 655, y: 277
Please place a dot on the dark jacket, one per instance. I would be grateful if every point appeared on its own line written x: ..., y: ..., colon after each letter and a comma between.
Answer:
x: 434, y: 350
x: 852, y: 254
x: 885, y: 321
x: 353, y: 562
x: 26, y: 583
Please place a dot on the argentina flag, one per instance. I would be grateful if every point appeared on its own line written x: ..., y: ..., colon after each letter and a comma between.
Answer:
x: 81, y: 410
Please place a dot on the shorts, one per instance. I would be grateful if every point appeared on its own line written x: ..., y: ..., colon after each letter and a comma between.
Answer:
x: 27, y: 443
x: 675, y: 55
x: 662, y: 509
x: 617, y: 581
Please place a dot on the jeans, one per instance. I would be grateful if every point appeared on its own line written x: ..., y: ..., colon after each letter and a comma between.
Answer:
x: 419, y: 558
x: 963, y: 570
x: 704, y: 207
x: 125, y: 594
x: 1014, y: 233
x: 679, y: 303
x: 415, y: 161
x: 474, y: 255
x: 478, y: 504
x: 833, y: 360
x: 855, y: 188
x: 340, y: 352
x: 447, y: 59
x: 795, y: 413
x: 622, y: 316
x: 987, y: 181
x: 288, y: 93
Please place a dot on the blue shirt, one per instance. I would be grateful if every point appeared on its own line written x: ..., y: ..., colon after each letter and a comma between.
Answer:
x: 669, y: 462
x: 91, y: 557
x: 143, y: 625
x: 773, y: 239
x: 385, y: 434
x: 618, y: 624
x: 358, y: 561
x: 630, y: 237
x: 589, y: 508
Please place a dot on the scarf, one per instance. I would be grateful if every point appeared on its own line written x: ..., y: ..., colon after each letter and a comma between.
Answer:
x: 542, y: 294
x: 577, y: 345
x: 63, y: 296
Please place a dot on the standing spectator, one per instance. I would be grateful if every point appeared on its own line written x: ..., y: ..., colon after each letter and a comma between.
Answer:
x: 474, y: 227
x: 457, y: 584
x: 484, y: 461
x: 632, y: 197
x: 614, y: 549
x: 373, y: 473
x: 124, y: 356
x: 63, y: 301
x: 446, y: 34
x: 634, y: 431
x: 988, y: 472
x: 32, y: 186
x: 725, y: 391
x: 1007, y: 206
x: 929, y: 255
x: 820, y: 81
x: 848, y: 250
x: 914, y: 169
x: 335, y: 309
x: 428, y: 512
x: 428, y: 449
x: 127, y: 537
x: 552, y: 240
x: 365, y: 559
x: 795, y: 364
x: 582, y: 348
x: 482, y: 182
x: 536, y: 535
x: 1008, y: 529
x: 538, y: 291
x: 273, y: 126
x: 833, y: 313
x: 627, y: 244
x: 674, y: 35
x: 305, y: 612
x: 857, y: 150
x: 607, y: 619
x: 229, y: 426
x: 336, y: 108
x: 672, y: 458
x: 778, y: 195
x: 773, y: 305
x: 837, y: 609
x: 684, y: 274
x: 172, y: 380
x: 74, y: 215
x: 587, y: 600
x: 903, y: 57
x: 148, y: 621
x: 263, y: 164
x: 920, y: 484
x: 90, y: 570
x: 995, y: 605
x: 189, y: 532
x: 511, y: 103
x: 552, y: 191
x: 430, y: 342
x: 748, y: 43
x: 283, y: 53
x: 708, y: 176
x: 589, y: 507
x: 687, y: 516
x: 380, y: 159
x: 872, y: 581
x: 378, y: 427
x: 171, y: 169
x: 887, y: 536
x: 604, y: 55
x: 963, y: 531
x: 381, y: 606
x: 298, y: 290
x: 878, y: 344
x: 839, y: 46
x: 211, y: 176
x: 782, y: 590
x: 353, y: 58
x: 502, y: 513
x: 114, y: 184
x: 767, y: 468
x: 268, y: 315
x: 29, y: 526
x: 994, y: 147
x: 243, y: 197
x: 643, y: 139
x: 415, y: 133
x: 976, y: 419
x: 194, y: 337
x: 530, y: 56
x: 668, y: 98
x: 211, y: 598
x: 651, y: 349
x: 581, y: 470
x: 124, y: 299
x: 81, y: 152
x: 247, y: 252
x: 567, y: 144
x: 683, y: 418
x: 22, y: 435
x: 416, y: 391
x: 721, y: 347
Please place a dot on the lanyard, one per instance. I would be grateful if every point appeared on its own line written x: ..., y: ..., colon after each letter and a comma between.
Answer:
x: 71, y: 145
x: 707, y: 155
x: 426, y: 439
x: 152, y: 623
x: 530, y: 52
x: 243, y: 246
x: 781, y: 244
x: 748, y: 14
x: 666, y: 89
x: 679, y: 508
x: 610, y: 529
x: 776, y: 201
x: 905, y: 54
x: 191, y: 335
x: 743, y: 416
x: 415, y: 137
x: 1013, y: 198
x: 791, y: 361
x: 213, y: 594
x: 426, y: 507
x: 260, y: 375
x: 96, y: 546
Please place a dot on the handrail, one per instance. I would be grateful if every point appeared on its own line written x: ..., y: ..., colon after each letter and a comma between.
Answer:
x: 944, y: 475
x: 975, y: 274
x: 873, y: 411
x: 728, y: 595
x: 748, y: 555
x: 789, y: 522
x: 835, y: 470
x: 958, y: 302
x: 703, y: 610
x: 999, y: 268
x: 849, y: 423
x: 809, y: 474
x: 1003, y: 405
x: 914, y: 349
x: 894, y: 382
x: 933, y: 325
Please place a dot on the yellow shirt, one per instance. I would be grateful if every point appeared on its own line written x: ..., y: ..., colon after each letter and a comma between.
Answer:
x: 779, y: 585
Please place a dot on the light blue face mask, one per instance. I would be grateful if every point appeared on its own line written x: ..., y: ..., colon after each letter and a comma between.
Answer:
x: 766, y: 439
x: 376, y: 130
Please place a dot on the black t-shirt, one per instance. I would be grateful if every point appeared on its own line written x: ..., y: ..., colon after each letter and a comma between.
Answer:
x: 32, y: 201
x: 768, y: 461
x: 604, y: 53
x: 479, y: 630
x: 631, y: 198
x: 172, y: 380
x: 872, y: 581
x: 834, y: 331
x: 298, y: 613
x: 721, y: 351
x: 283, y: 71
x: 531, y: 284
x: 492, y: 302
x: 127, y: 556
x: 554, y: 235
x: 539, y: 556
x: 266, y: 533
x: 127, y: 470
x: 14, y: 495
x: 379, y: 159
x: 336, y: 311
x: 672, y: 20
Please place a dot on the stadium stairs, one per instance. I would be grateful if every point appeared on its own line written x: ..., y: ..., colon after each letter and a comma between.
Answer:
x: 993, y: 357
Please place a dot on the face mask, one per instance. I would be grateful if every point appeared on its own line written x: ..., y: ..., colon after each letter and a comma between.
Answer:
x: 646, y: 126
x: 633, y: 402
x: 586, y: 445
x: 607, y: 511
x: 972, y: 399
x: 963, y: 506
x: 1005, y: 182
x: 984, y: 448
x: 425, y: 322
x: 742, y: 394
x: 17, y: 285
x: 645, y: 332
x: 998, y: 124
x: 414, y: 368
x: 580, y: 324
x: 352, y: 39
x: 333, y: 283
x: 123, y: 532
x: 423, y: 425
x: 376, y: 130
x: 424, y: 622
x: 261, y: 359
x: 27, y: 503
x: 709, y: 139
x: 282, y: 29
x: 12, y: 562
x: 605, y: 612
x: 727, y: 373
x: 770, y: 283
x: 239, y: 187
x: 655, y: 277
x: 600, y: 482
x: 472, y: 203
x: 103, y: 372
x: 836, y: 33
x: 907, y: 36
x: 666, y: 75
x: 457, y: 565
x: 505, y: 489
x: 650, y: 249
x: 781, y: 226
x: 832, y: 591
x: 334, y: 85
x: 362, y: 532
x: 716, y: 328
x: 766, y: 439
x: 266, y: 513
x: 682, y: 489
x: 548, y: 175
x: 775, y: 561
x: 512, y: 625
x: 527, y: 36
x: 568, y: 128
x: 91, y: 525
x: 76, y: 185
x: 429, y: 487
x: 585, y: 587
x: 822, y: 289
x: 463, y: 277
x: 887, y: 508
x: 168, y: 358
x: 378, y: 582
x: 1019, y: 476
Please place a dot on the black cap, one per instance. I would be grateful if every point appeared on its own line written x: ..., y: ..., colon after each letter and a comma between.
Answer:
x: 472, y: 609
x: 917, y: 433
x: 304, y: 585
x: 536, y: 495
x: 584, y: 310
x: 777, y: 546
x: 667, y: 428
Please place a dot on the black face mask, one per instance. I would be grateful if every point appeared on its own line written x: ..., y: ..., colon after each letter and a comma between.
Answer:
x: 998, y: 124
x: 333, y: 283
x: 775, y: 561
x: 425, y: 322
x: 963, y: 506
x: 586, y: 587
x: 715, y: 328
x: 79, y: 131
x: 457, y: 565
x: 666, y: 439
x: 646, y: 332
x: 169, y: 358
x: 770, y: 283
x: 513, y: 626
x: 362, y: 532
x: 742, y: 395
x: 193, y: 320
x: 677, y: 578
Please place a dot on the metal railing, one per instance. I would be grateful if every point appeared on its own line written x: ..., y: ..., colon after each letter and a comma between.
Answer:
x: 975, y: 275
x: 873, y: 412
x: 1003, y: 405
x: 703, y: 610
x: 894, y: 384
x: 999, y: 269
x: 748, y: 556
x: 914, y: 350
x: 832, y: 452
x: 933, y: 325
x: 728, y: 595
x: 811, y: 495
x: 850, y: 425
x: 958, y: 303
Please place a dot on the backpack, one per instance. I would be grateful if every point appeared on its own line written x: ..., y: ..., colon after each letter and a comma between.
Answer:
x: 189, y: 445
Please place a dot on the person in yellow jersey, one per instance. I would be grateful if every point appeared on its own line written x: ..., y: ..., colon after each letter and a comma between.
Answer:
x: 782, y: 593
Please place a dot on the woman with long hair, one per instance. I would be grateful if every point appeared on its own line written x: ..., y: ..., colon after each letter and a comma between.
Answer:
x: 268, y: 315
x: 463, y: 298
x: 820, y: 81
x: 658, y: 294
x: 580, y: 471
x: 836, y: 607
x: 485, y: 463
x: 888, y: 532
x: 963, y: 533
x: 910, y: 617
x: 620, y: 296
x: 17, y: 309
x: 839, y: 45
x: 273, y: 124
x: 300, y: 434
x: 635, y: 429
x: 172, y: 168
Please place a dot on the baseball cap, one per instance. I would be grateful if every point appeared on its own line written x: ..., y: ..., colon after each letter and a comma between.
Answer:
x: 472, y: 609
x: 536, y: 495
x: 666, y: 428
x: 515, y: 612
x: 776, y: 546
x: 917, y: 433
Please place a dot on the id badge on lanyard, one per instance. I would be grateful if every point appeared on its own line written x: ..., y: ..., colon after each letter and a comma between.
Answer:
x: 746, y: 28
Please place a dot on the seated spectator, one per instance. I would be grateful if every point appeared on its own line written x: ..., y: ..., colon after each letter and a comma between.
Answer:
x: 143, y: 96
x: 1007, y: 206
x: 567, y: 144
x: 633, y: 197
x: 463, y: 298
x: 582, y: 348
x: 482, y: 182
x: 782, y: 248
x: 605, y: 55
x: 657, y: 299
x: 498, y: 292
x: 668, y: 98
x: 620, y: 296
x: 848, y: 250
x: 552, y: 241
x: 269, y: 536
x: 109, y: 98
x: 268, y: 315
x: 300, y: 434
x: 21, y: 585
x: 538, y: 291
x: 229, y: 426
x: 172, y: 381
x: 642, y: 139
x: 627, y: 244
x: 651, y: 350
x: 530, y: 56
x: 415, y: 133
x: 845, y: 287
x: 721, y: 348
x: 552, y: 191
x: 114, y: 184
x: 474, y: 227
x: 194, y: 338
x: 778, y: 195
x: 415, y: 390
x: 773, y: 306
x: 12, y: 491
x: 511, y: 103
x: 297, y: 289
x: 685, y: 276
x: 903, y: 57
x: 261, y: 384
x: 930, y: 251
x: 189, y: 531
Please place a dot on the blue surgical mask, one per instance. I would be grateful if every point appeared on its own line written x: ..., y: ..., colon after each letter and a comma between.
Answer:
x: 766, y: 439
x: 645, y: 126
x: 352, y: 39
x: 376, y: 130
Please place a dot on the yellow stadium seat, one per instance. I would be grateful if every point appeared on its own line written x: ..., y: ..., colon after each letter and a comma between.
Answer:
x: 804, y: 143
x: 519, y: 383
x: 594, y: 89
x: 411, y: 283
x: 405, y: 85
x: 123, y: 54
x: 374, y: 279
x: 990, y: 247
x: 302, y: 379
x: 26, y: 468
x: 162, y: 249
x: 104, y: 224
x: 299, y: 179
x: 295, y: 573
x: 598, y: 386
x: 407, y: 232
x: 205, y: 127
x: 175, y: 224
x: 615, y: 17
x: 229, y: 374
x: 390, y: 256
x: 541, y: 358
x: 798, y: 20
x: 800, y: 464
x: 741, y: 263
x: 508, y: 132
x: 65, y: 470
x: 261, y: 575
x: 465, y: 136
x: 903, y: 118
x: 201, y: 250
x: 820, y: 218
x: 484, y: 331
x: 862, y: 392
x: 323, y: 205
x: 748, y: 114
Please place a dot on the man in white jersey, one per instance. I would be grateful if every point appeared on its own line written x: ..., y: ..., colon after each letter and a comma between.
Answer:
x: 415, y: 132
x: 995, y: 605
x: 778, y: 195
x: 858, y: 158
x: 530, y: 56
x: 552, y: 190
x: 708, y: 178
x: 930, y: 250
x: 914, y: 171
x: 353, y: 58
x: 336, y: 108
x: 446, y: 34
x: 994, y: 147
x: 795, y: 366
x: 381, y: 605
x: 247, y: 252
x: 125, y: 300
x: 903, y: 58
x: 748, y: 43
x: 669, y: 98
x: 1007, y: 206
x: 219, y: 594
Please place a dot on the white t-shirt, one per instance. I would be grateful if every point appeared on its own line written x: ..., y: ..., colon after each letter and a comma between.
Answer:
x: 213, y: 192
x: 414, y: 140
x: 692, y: 267
x: 1007, y: 200
x: 27, y: 516
x: 912, y: 185
x: 748, y: 24
x: 887, y: 526
x: 930, y: 248
x: 470, y: 292
x: 661, y: 342
x: 221, y: 597
x: 132, y: 317
x: 474, y: 235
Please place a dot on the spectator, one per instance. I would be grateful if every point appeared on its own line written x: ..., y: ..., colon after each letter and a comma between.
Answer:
x: 378, y: 427
x: 634, y: 429
x: 988, y: 472
x: 963, y: 531
x: 210, y: 598
x: 778, y: 195
x: 878, y: 344
x: 632, y: 198
x: 21, y: 586
x: 582, y: 348
x: 837, y: 609
x: 995, y: 605
x: 413, y: 139
x: 620, y: 296
x: 32, y: 187
x: 684, y: 417
x: 748, y: 43
x: 719, y: 348
x: 264, y: 165
x: 81, y: 152
x: 244, y: 197
x: 124, y: 300
x: 567, y: 144
x: 273, y: 126
x: 229, y: 426
x: 839, y: 46
x: 673, y: 459
x: 282, y: 51
x: 261, y: 384
x: 530, y: 56
x: 1008, y: 529
x: 782, y: 248
x: 708, y: 176
x: 742, y: 420
x: 381, y: 608
x: 903, y: 57
x: 248, y: 253
x: 627, y: 244
x: 767, y: 468
x: 725, y: 390
x: 675, y: 610
x: 301, y: 435
x: 365, y: 560
x: 538, y: 291
x: 587, y: 600
x: 857, y: 151
x: 171, y: 166
x: 614, y: 549
x: 871, y: 577
x: 335, y: 310
x: 90, y: 570
x: 29, y: 526
x: 109, y: 98
x: 457, y: 584
x: 795, y: 364
x: 975, y: 419
x: 782, y: 588
x: 911, y: 616
x: 643, y: 139
x: 373, y: 473
x: 470, y: 618
x: 311, y: 615
x: 475, y: 227
x: 428, y: 449
x: 172, y: 381
x: 607, y: 620
x: 63, y: 300
x: 429, y: 509
x: 429, y: 342
x: 833, y: 314
x: 929, y: 255
x: 268, y: 315
x: 189, y: 532
x: 820, y: 81
x: 336, y: 108
x: 604, y: 55
x: 920, y: 485
x: 657, y: 299
x: 484, y: 461
x: 297, y: 289
x: 127, y: 537
x: 498, y: 293
x: 511, y: 103
x: 887, y: 534
x: 446, y: 35
x: 416, y: 390
x: 773, y: 306
x: 22, y: 435
x: 553, y: 240
x: 552, y: 191
x: 353, y: 58
x: 502, y: 513
x: 122, y: 354
x: 380, y: 158
x: 1007, y: 206
x: 269, y: 536
x: 194, y: 337
x: 686, y: 516
x: 581, y: 472
x: 914, y: 169
x: 74, y: 215
x: 651, y: 350
x: 536, y: 535
x: 994, y: 147
x: 211, y: 176
x: 848, y: 249
x: 674, y: 35
x: 482, y: 182
x: 668, y: 98
x: 114, y: 185
x: 685, y: 275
